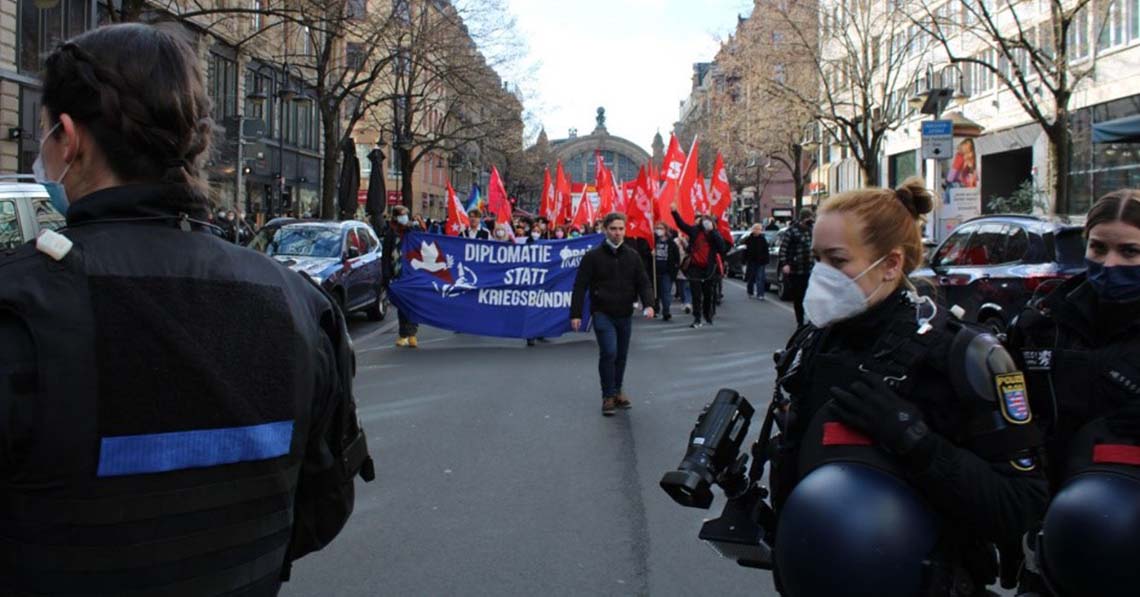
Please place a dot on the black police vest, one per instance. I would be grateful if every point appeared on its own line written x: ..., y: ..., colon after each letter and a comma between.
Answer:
x: 818, y: 439
x: 1074, y: 386
x: 173, y: 405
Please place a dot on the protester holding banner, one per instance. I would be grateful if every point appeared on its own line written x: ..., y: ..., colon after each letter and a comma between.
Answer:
x: 614, y: 276
x: 393, y: 239
x: 705, y: 243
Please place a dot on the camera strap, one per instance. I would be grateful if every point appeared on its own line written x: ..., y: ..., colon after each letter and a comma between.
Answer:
x: 760, y: 449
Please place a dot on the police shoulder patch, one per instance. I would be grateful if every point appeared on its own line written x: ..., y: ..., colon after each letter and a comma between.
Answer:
x: 1012, y: 398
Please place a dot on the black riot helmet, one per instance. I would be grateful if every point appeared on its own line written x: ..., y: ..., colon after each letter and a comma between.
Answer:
x: 851, y: 529
x: 1090, y: 537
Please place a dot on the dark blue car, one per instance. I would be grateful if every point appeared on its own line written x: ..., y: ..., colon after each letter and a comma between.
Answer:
x: 343, y: 257
x: 991, y: 266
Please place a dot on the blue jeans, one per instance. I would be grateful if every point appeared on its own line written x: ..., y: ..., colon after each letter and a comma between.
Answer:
x: 613, y: 344
x: 686, y: 292
x: 756, y: 278
x: 665, y: 291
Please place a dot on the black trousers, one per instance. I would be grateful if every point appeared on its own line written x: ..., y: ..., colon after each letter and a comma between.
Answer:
x: 407, y: 328
x: 704, y: 298
x: 797, y: 286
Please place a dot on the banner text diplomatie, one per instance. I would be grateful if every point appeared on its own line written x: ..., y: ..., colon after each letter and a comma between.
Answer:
x: 489, y: 288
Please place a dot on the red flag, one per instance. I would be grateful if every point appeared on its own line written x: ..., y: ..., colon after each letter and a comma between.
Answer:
x: 640, y: 211
x: 563, y: 197
x: 497, y: 200
x: 546, y: 208
x: 723, y: 227
x: 671, y: 168
x: 584, y: 215
x: 720, y: 193
x: 604, y: 181
x: 690, y: 189
x: 457, y: 219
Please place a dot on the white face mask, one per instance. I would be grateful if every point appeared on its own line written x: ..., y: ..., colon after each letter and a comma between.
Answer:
x: 708, y: 225
x: 832, y: 296
x: 402, y: 220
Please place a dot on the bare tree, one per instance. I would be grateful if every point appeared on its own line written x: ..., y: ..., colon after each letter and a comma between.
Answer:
x: 347, y: 57
x: 766, y: 117
x: 445, y: 94
x: 1025, y: 51
x: 857, y: 51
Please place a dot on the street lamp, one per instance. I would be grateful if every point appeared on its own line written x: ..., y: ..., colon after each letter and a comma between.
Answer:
x: 934, y: 99
x: 284, y: 95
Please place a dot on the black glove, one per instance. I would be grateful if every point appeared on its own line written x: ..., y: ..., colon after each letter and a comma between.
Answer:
x: 1125, y: 422
x: 871, y: 406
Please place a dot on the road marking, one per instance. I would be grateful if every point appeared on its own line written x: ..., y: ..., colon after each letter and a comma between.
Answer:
x: 767, y: 300
x: 391, y: 325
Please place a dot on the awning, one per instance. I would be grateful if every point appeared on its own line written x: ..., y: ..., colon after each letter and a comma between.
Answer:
x: 1121, y: 130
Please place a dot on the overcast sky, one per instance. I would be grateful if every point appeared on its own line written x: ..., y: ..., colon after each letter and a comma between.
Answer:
x: 635, y: 57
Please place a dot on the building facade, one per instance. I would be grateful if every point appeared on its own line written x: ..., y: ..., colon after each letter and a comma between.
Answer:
x: 1010, y: 152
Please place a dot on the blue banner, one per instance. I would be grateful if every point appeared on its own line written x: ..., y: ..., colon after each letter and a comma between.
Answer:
x: 490, y: 288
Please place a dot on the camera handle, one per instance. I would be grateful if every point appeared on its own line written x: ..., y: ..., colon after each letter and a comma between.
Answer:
x: 760, y: 452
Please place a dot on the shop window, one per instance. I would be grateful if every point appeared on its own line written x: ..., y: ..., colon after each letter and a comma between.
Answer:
x: 41, y: 29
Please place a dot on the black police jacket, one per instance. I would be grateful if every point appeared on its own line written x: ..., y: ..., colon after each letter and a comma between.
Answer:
x: 976, y: 469
x: 176, y: 413
x: 1081, y: 360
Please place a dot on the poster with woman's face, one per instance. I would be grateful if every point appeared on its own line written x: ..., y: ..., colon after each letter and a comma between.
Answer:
x: 962, y: 184
x: 963, y: 172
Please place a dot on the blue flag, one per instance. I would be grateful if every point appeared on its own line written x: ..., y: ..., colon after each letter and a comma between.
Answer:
x: 473, y: 200
x: 490, y: 288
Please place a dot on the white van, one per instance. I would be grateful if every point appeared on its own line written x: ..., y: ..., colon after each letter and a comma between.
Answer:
x: 25, y: 209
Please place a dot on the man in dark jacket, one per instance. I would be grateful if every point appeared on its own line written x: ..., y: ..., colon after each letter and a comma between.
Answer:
x: 667, y: 258
x: 755, y: 260
x: 796, y: 261
x: 615, y: 277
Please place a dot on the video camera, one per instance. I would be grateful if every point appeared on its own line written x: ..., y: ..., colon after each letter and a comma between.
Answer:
x: 743, y: 530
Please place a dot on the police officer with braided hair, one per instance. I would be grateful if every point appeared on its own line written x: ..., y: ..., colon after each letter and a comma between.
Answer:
x: 907, y: 446
x: 176, y: 412
x: 1080, y: 349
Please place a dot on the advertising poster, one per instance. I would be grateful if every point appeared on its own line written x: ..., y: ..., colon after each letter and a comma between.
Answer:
x: 962, y: 198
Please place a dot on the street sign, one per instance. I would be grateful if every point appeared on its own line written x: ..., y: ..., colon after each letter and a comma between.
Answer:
x: 937, y: 139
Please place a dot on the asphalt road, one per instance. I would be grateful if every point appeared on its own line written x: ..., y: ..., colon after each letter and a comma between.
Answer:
x: 497, y: 474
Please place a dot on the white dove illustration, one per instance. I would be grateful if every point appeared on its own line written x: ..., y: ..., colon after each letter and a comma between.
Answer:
x: 430, y: 254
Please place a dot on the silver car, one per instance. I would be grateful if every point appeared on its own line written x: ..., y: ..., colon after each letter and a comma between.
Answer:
x: 25, y: 209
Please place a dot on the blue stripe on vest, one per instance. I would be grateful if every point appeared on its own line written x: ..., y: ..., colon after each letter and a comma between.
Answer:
x: 161, y: 452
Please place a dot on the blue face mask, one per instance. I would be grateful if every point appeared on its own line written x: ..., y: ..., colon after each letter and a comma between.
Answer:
x: 56, y: 193
x: 1118, y: 283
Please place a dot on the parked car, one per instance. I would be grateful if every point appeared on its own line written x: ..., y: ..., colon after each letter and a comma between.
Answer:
x: 343, y: 257
x: 25, y: 209
x: 991, y: 266
x: 734, y: 261
x: 772, y: 273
